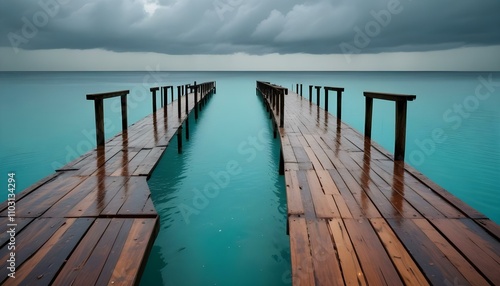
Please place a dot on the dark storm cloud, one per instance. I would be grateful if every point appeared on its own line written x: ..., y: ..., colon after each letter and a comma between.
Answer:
x: 250, y: 26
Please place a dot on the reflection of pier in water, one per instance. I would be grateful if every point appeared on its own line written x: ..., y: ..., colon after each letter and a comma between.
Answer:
x: 356, y: 216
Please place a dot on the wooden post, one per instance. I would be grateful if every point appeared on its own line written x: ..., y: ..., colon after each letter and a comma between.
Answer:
x: 153, y: 92
x: 124, y: 112
x: 282, y: 107
x: 400, y: 141
x: 99, y: 121
x: 318, y: 94
x: 172, y: 92
x: 400, y: 128
x: 162, y: 95
x: 165, y: 99
x: 187, y: 101
x: 179, y: 101
x: 297, y: 88
x: 326, y: 99
x: 310, y: 93
x: 300, y: 89
x: 195, y: 101
x: 339, y: 103
x: 368, y: 117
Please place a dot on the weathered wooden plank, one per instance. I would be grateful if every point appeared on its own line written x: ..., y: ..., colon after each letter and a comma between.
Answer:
x: 365, y: 242
x: 456, y: 258
x: 326, y: 266
x: 490, y: 226
x: 97, y: 200
x: 80, y: 257
x: 321, y: 207
x: 6, y: 228
x: 477, y: 245
x: 301, y: 259
x: 436, y: 267
x: 136, y: 249
x: 36, y: 203
x: 293, y: 197
x: 351, y: 269
x: 43, y: 266
x: 407, y: 268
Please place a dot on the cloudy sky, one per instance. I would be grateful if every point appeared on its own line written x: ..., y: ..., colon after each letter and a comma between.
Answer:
x: 250, y: 34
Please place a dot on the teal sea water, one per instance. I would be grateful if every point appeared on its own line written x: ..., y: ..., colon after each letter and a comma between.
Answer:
x: 222, y: 204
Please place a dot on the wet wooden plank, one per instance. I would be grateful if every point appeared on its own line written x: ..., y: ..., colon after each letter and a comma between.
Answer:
x: 351, y: 269
x: 434, y: 264
x: 475, y: 243
x: 294, y: 198
x: 36, y: 203
x: 146, y: 167
x: 135, y: 252
x: 43, y: 266
x: 456, y: 258
x: 326, y: 266
x: 301, y: 260
x: 407, y: 268
x: 80, y: 257
x: 97, y: 200
x: 365, y: 242
x: 490, y: 226
x: 6, y: 228
x: 321, y: 207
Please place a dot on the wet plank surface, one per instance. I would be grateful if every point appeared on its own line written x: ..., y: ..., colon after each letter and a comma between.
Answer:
x: 356, y: 217
x: 92, y: 222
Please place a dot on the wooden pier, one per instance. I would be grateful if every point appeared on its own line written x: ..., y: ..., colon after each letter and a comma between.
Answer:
x: 93, y: 221
x: 358, y: 217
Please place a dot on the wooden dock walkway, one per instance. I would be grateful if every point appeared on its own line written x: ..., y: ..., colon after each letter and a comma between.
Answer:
x: 357, y: 217
x: 93, y: 221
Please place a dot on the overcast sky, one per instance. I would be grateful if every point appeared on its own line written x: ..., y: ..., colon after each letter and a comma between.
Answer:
x: 250, y: 34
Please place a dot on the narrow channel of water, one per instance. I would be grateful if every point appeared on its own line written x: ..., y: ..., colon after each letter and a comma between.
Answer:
x: 221, y: 202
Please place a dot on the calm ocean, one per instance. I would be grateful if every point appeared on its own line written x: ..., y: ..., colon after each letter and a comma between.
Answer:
x: 453, y: 137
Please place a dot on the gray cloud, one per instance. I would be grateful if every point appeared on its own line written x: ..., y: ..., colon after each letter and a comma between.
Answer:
x: 181, y: 27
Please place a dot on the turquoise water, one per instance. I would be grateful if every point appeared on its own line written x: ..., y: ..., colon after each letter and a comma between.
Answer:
x: 236, y: 228
x: 222, y: 203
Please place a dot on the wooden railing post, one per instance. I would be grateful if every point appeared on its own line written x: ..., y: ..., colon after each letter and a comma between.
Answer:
x: 310, y: 93
x: 399, y: 152
x: 339, y: 103
x: 179, y: 96
x: 368, y: 117
x: 98, y: 99
x: 153, y: 92
x: 400, y: 122
x: 99, y: 121
x: 195, y: 101
x: 300, y: 89
x: 187, y: 100
x: 339, y: 91
x: 318, y: 94
x: 123, y: 99
x: 282, y: 107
